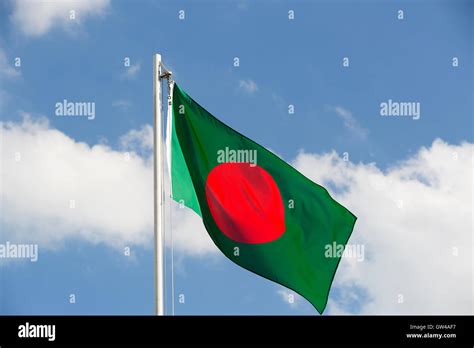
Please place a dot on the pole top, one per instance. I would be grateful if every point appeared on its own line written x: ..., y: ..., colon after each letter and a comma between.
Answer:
x: 163, y: 71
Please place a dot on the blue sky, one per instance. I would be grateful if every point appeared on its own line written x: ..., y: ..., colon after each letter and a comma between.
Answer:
x: 296, y: 62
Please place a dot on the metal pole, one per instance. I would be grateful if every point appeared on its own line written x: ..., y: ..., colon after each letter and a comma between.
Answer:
x: 158, y: 187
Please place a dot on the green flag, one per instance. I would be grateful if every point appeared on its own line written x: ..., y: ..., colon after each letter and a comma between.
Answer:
x: 260, y: 212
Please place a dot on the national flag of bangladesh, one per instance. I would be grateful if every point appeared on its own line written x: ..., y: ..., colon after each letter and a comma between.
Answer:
x: 260, y: 212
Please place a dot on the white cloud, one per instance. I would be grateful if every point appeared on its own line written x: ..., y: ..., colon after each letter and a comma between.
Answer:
x: 189, y: 235
x: 112, y: 190
x: 36, y: 18
x: 350, y: 122
x: 412, y: 219
x: 289, y: 297
x: 138, y: 139
x: 248, y: 86
x: 132, y: 70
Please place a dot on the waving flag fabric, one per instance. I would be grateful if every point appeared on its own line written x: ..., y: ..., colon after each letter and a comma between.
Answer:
x: 260, y: 212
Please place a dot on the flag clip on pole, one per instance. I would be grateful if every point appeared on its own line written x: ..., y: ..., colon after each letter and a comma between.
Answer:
x: 159, y: 72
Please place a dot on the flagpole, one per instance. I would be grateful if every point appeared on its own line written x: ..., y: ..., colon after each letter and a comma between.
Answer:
x: 158, y: 187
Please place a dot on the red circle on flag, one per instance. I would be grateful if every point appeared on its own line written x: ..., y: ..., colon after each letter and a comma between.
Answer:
x: 245, y: 203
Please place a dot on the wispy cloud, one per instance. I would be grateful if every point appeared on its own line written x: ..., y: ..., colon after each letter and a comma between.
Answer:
x: 132, y: 70
x: 36, y: 18
x: 248, y: 86
x: 122, y: 104
x: 289, y: 297
x: 243, y: 5
x: 138, y: 139
x: 350, y: 123
x: 7, y: 69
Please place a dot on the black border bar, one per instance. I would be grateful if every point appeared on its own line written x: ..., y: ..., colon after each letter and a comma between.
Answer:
x: 224, y: 330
